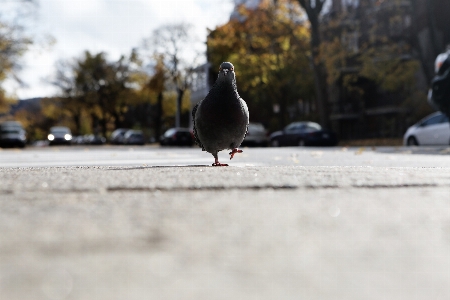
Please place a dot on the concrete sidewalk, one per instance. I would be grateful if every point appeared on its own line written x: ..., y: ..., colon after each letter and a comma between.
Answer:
x: 225, y: 233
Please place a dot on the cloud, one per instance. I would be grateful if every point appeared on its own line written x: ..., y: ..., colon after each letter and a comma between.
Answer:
x: 111, y: 26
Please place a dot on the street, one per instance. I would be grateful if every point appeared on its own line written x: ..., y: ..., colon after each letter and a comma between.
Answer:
x: 278, y: 223
x: 438, y: 156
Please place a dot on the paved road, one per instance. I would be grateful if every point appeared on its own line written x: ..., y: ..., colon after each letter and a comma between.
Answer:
x: 285, y: 223
x: 169, y: 156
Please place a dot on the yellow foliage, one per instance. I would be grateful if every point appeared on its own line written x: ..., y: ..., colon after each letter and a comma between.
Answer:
x: 270, y: 49
x: 170, y: 103
x: 5, y: 102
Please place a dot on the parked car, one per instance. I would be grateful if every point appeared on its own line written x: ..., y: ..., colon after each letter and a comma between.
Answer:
x: 59, y: 135
x: 134, y: 137
x: 177, y: 137
x: 303, y: 134
x: 78, y: 140
x: 118, y: 136
x: 94, y: 139
x: 256, y: 135
x: 12, y: 134
x: 432, y: 130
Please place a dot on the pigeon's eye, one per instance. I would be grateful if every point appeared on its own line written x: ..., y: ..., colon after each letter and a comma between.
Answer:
x: 220, y: 68
x: 232, y: 69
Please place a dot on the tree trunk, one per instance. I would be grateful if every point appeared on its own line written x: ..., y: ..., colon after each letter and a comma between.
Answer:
x: 320, y: 75
x: 103, y: 124
x: 77, y: 120
x: 158, y: 117
x: 433, y: 47
x: 178, y: 114
x: 431, y: 18
x: 320, y: 84
x: 117, y: 121
x: 95, y: 123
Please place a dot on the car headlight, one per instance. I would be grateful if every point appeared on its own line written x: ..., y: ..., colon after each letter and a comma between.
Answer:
x: 67, y: 137
x: 51, y: 137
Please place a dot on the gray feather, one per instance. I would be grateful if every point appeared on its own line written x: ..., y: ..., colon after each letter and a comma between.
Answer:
x: 221, y: 119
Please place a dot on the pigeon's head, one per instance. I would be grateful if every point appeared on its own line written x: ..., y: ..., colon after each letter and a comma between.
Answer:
x: 226, y: 70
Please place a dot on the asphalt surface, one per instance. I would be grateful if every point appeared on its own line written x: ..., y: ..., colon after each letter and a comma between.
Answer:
x: 192, y: 156
x: 288, y: 223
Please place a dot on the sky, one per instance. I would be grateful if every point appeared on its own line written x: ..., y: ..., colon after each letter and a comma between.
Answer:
x: 110, y: 26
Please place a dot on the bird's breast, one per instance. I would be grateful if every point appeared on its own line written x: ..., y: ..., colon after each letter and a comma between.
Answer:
x: 222, y: 111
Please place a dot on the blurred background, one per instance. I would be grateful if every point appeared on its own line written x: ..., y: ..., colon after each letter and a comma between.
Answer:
x: 104, y: 70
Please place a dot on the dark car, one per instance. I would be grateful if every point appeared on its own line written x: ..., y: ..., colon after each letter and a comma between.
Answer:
x: 118, y: 136
x: 78, y: 140
x: 94, y: 139
x: 134, y: 137
x: 12, y: 134
x: 59, y: 135
x: 177, y: 137
x: 303, y: 134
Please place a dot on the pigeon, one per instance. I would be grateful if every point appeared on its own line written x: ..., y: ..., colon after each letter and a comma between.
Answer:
x: 221, y: 119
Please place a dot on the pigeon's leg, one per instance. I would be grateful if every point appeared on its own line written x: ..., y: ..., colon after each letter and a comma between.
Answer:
x: 234, y: 151
x: 217, y: 163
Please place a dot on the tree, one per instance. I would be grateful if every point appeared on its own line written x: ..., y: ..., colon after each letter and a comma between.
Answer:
x: 429, y: 31
x: 102, y: 89
x: 313, y: 9
x: 14, y: 42
x: 70, y: 98
x: 386, y: 65
x: 175, y: 45
x: 156, y: 85
x: 269, y: 47
x: 368, y: 54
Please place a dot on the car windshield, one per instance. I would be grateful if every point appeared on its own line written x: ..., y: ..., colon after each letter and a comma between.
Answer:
x: 435, y: 120
x: 60, y: 131
x: 119, y: 132
x: 170, y: 132
x: 10, y: 130
x: 302, y: 126
x: 291, y: 126
x: 313, y: 126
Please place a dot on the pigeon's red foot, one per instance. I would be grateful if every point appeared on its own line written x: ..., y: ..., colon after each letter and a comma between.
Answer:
x: 217, y: 163
x: 234, y: 151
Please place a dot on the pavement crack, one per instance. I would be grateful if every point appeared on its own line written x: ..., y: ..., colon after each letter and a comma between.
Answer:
x: 387, y: 186
x: 263, y: 187
x: 200, y: 188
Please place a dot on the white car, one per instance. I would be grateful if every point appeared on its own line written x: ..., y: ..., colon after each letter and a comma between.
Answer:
x: 432, y: 130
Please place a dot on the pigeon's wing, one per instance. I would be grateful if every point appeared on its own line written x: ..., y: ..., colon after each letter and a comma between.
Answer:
x: 245, y: 109
x: 194, y: 111
x: 196, y: 139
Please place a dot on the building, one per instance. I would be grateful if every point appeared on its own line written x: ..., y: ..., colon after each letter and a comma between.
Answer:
x: 416, y: 25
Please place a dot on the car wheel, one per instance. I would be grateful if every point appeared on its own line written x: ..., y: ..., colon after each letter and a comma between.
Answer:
x: 301, y: 143
x: 412, y: 141
x: 274, y: 143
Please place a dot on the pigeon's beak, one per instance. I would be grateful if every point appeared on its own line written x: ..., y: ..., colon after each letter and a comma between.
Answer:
x: 225, y: 71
